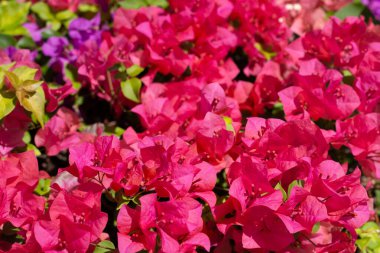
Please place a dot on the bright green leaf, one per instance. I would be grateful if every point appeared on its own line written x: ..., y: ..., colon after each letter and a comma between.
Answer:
x: 353, y: 9
x: 228, y: 122
x: 43, y: 186
x: 316, y: 227
x: 26, y: 138
x: 160, y: 3
x: 104, y: 247
x: 87, y: 8
x: 134, y: 70
x: 267, y: 54
x: 12, y: 16
x: 55, y: 25
x: 36, y: 151
x: 131, y: 89
x: 119, y: 131
x: 25, y: 73
x: 132, y: 4
x: 65, y: 15
x: 7, y: 103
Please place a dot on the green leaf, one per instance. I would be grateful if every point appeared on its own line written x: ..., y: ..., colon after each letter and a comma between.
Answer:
x: 132, y: 4
x: 294, y: 183
x: 266, y: 53
x: 43, y: 187
x: 71, y: 75
x: 65, y: 15
x: 369, y: 239
x: 362, y: 243
x: 12, y: 16
x: 55, y: 25
x: 228, y: 122
x: 104, y: 247
x: 26, y: 42
x: 26, y: 138
x: 119, y: 131
x: 160, y: 3
x: 7, y: 102
x: 316, y: 227
x: 49, y: 33
x: 87, y: 8
x: 25, y: 73
x: 43, y: 11
x: 134, y: 70
x: 3, y: 69
x: 131, y: 89
x: 6, y: 41
x: 37, y: 152
x: 353, y: 9
x: 279, y: 187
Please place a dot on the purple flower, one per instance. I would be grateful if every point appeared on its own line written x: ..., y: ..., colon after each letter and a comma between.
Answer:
x: 34, y: 31
x: 81, y: 30
x: 374, y: 6
x: 60, y: 54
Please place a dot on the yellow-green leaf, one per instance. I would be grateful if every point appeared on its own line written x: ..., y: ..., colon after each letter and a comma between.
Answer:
x: 43, y: 11
x: 266, y: 53
x: 134, y: 70
x: 12, y: 16
x: 25, y: 73
x: 43, y: 187
x: 228, y: 122
x: 34, y: 102
x: 131, y: 89
x: 32, y: 147
x: 7, y: 103
x: 13, y: 79
x: 65, y: 15
x: 55, y: 25
x: 4, y: 68
x: 31, y: 85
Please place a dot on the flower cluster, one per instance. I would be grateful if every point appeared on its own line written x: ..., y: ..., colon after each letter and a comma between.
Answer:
x: 189, y: 126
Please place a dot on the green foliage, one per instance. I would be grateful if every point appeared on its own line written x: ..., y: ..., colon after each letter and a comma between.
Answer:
x: 7, y: 98
x: 268, y: 54
x: 286, y: 194
x: 228, y: 122
x: 104, y: 247
x: 7, y: 102
x: 369, y: 237
x: 7, y: 41
x: 88, y: 8
x: 28, y: 91
x: 54, y: 19
x: 279, y: 187
x: 316, y: 227
x: 353, y: 9
x: 135, y: 4
x: 43, y: 187
x: 131, y: 89
x: 72, y: 76
x: 12, y: 16
x: 134, y: 70
x: 377, y: 199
